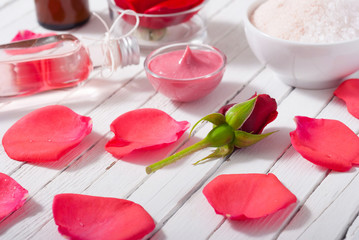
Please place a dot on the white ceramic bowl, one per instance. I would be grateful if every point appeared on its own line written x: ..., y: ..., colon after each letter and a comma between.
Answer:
x: 303, y: 65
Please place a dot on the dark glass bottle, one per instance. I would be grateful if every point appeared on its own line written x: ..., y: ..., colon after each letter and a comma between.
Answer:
x: 62, y: 14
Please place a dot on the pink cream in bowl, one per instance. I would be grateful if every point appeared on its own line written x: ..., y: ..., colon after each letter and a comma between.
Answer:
x: 185, y: 72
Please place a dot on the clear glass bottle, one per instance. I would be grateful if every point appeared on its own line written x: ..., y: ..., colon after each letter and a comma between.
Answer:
x: 59, y: 61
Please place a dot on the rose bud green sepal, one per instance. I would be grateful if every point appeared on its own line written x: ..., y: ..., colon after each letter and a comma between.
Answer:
x: 239, y: 113
x: 215, y: 118
x: 243, y: 139
x: 218, y: 153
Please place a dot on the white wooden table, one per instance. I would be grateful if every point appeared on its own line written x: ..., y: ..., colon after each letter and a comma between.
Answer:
x: 328, y: 201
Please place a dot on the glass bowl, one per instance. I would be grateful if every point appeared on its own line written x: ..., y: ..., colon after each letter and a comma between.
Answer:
x: 156, y: 30
x: 188, y: 89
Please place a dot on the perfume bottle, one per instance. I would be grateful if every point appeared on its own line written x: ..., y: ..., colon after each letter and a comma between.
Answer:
x: 59, y: 61
x: 62, y: 14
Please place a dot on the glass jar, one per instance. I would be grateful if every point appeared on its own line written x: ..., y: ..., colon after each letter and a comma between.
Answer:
x: 158, y: 30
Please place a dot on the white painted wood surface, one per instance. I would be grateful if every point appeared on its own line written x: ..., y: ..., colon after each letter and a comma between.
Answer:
x: 328, y: 202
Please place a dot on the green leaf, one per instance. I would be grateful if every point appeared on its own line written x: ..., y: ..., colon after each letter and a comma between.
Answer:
x: 245, y: 139
x: 215, y: 118
x: 240, y: 112
x: 219, y: 152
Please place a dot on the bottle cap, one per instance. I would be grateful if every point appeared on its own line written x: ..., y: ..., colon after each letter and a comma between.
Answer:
x: 130, y: 51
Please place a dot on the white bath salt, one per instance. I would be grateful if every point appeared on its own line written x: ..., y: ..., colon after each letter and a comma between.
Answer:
x: 311, y: 21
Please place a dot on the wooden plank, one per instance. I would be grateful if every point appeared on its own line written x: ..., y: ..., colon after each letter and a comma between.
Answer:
x: 83, y: 171
x: 330, y: 204
x: 259, y: 158
x: 327, y: 201
x: 352, y: 232
x: 15, y: 11
x: 62, y: 178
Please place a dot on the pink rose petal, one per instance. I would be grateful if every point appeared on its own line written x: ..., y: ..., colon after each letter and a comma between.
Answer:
x: 27, y: 34
x: 247, y: 196
x: 12, y: 195
x: 172, y: 6
x: 143, y: 129
x: 349, y: 92
x: 83, y: 217
x: 325, y: 142
x: 31, y: 73
x: 164, y: 9
x: 158, y: 6
x: 46, y: 134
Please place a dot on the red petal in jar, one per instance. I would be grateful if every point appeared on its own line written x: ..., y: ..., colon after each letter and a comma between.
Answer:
x: 27, y: 35
x: 89, y: 217
x: 157, y: 14
x: 185, y: 72
x: 36, y: 66
x: 146, y: 128
x: 349, y: 92
x: 46, y: 134
x: 325, y: 142
x: 12, y: 195
x: 247, y: 196
x: 32, y: 68
x: 172, y: 6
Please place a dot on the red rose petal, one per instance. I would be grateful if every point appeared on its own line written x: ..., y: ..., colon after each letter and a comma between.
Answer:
x: 172, y: 6
x: 349, y: 92
x: 247, y: 196
x: 46, y: 134
x: 264, y: 112
x: 143, y: 129
x: 325, y: 142
x: 27, y: 34
x: 157, y: 7
x: 30, y: 74
x: 138, y: 6
x: 12, y: 195
x: 23, y: 35
x: 88, y: 217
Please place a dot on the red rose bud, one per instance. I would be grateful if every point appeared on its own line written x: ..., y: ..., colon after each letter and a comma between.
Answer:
x: 230, y: 129
x: 264, y: 112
